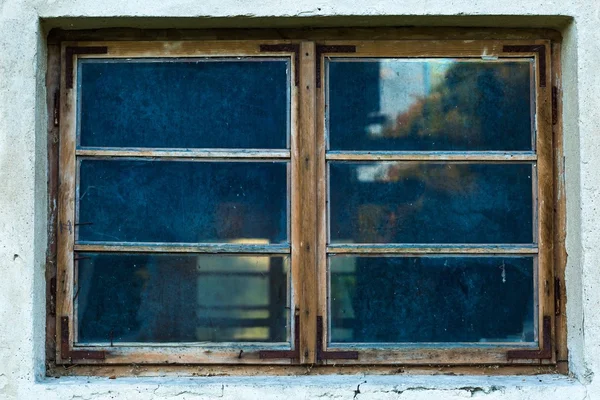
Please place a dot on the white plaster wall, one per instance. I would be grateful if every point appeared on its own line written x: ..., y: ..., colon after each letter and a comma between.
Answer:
x: 23, y: 195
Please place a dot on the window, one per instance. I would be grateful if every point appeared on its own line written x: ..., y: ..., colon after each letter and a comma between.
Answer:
x: 355, y: 202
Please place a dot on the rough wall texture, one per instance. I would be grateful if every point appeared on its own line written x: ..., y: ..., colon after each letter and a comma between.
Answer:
x: 23, y: 27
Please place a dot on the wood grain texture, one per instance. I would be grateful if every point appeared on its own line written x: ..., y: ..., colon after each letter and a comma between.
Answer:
x: 210, y: 248
x: 204, y: 48
x: 348, y: 32
x: 545, y: 197
x: 66, y: 208
x: 424, y: 249
x: 471, y: 156
x: 322, y: 206
x: 488, y: 49
x: 188, y: 154
x: 304, y: 212
x: 53, y: 104
x: 560, y: 212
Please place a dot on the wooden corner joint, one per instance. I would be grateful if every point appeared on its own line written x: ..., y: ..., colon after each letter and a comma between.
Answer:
x: 71, y: 51
x: 544, y: 353
x: 321, y: 49
x: 66, y: 353
x: 293, y: 354
x: 540, y: 49
x: 286, y: 48
x: 322, y: 354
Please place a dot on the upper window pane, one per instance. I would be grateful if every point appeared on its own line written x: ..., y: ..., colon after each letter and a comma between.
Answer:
x: 429, y: 104
x: 184, y: 103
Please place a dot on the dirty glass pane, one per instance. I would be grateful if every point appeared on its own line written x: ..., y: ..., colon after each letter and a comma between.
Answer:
x: 182, y: 298
x: 177, y: 201
x: 186, y: 103
x: 429, y: 104
x: 431, y: 299
x: 411, y: 202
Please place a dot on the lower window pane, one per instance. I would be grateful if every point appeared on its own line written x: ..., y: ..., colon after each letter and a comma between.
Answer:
x: 431, y: 299
x: 182, y: 298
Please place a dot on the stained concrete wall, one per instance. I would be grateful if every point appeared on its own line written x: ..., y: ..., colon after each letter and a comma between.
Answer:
x: 23, y: 200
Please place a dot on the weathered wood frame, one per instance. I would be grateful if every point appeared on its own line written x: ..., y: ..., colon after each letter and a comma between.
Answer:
x: 542, y: 156
x: 309, y: 106
x: 222, y: 353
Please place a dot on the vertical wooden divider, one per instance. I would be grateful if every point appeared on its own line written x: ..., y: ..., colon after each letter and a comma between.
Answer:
x: 322, y: 206
x: 66, y: 207
x: 545, y: 197
x: 304, y: 212
x: 560, y: 223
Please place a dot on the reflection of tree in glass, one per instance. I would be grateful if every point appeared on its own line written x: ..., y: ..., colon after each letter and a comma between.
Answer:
x: 477, y: 106
x: 472, y: 107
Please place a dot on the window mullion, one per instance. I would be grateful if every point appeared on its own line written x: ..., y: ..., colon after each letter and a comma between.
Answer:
x: 304, y: 211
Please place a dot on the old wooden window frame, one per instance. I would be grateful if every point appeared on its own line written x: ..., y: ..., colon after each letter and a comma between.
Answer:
x: 308, y: 156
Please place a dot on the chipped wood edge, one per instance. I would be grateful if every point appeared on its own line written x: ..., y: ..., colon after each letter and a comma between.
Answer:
x: 66, y: 207
x: 560, y: 215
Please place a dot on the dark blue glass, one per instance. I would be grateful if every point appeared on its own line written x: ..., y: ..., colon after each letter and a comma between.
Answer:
x: 429, y: 104
x: 182, y: 298
x: 413, y: 202
x: 431, y: 299
x: 177, y: 201
x: 184, y: 103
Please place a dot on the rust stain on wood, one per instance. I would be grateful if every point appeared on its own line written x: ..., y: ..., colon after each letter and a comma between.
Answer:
x: 545, y: 351
x: 293, y: 354
x: 535, y: 48
x: 323, y: 49
x: 65, y: 349
x: 323, y: 354
x: 70, y: 52
x: 287, y: 48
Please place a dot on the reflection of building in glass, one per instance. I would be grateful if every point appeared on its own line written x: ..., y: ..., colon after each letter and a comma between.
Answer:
x: 400, y: 85
x: 183, y: 298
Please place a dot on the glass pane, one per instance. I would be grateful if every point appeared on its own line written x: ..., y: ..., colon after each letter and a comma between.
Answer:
x: 429, y: 104
x: 431, y: 299
x: 410, y: 202
x: 182, y: 298
x: 176, y: 201
x: 202, y: 103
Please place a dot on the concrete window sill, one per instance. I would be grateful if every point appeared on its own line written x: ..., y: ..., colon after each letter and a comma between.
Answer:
x: 308, y: 387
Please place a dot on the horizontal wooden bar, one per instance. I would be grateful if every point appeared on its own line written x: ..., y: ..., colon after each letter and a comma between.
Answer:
x: 432, y: 356
x: 218, y: 353
x: 196, y: 48
x: 182, y: 153
x: 246, y: 346
x: 320, y: 31
x: 375, y: 249
x: 98, y: 247
x: 485, y: 156
x: 432, y: 345
x: 238, y: 353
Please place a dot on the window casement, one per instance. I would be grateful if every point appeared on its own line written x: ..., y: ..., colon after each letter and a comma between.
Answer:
x: 293, y: 202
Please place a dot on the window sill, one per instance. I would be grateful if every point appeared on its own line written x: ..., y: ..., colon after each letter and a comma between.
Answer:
x: 331, y: 386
